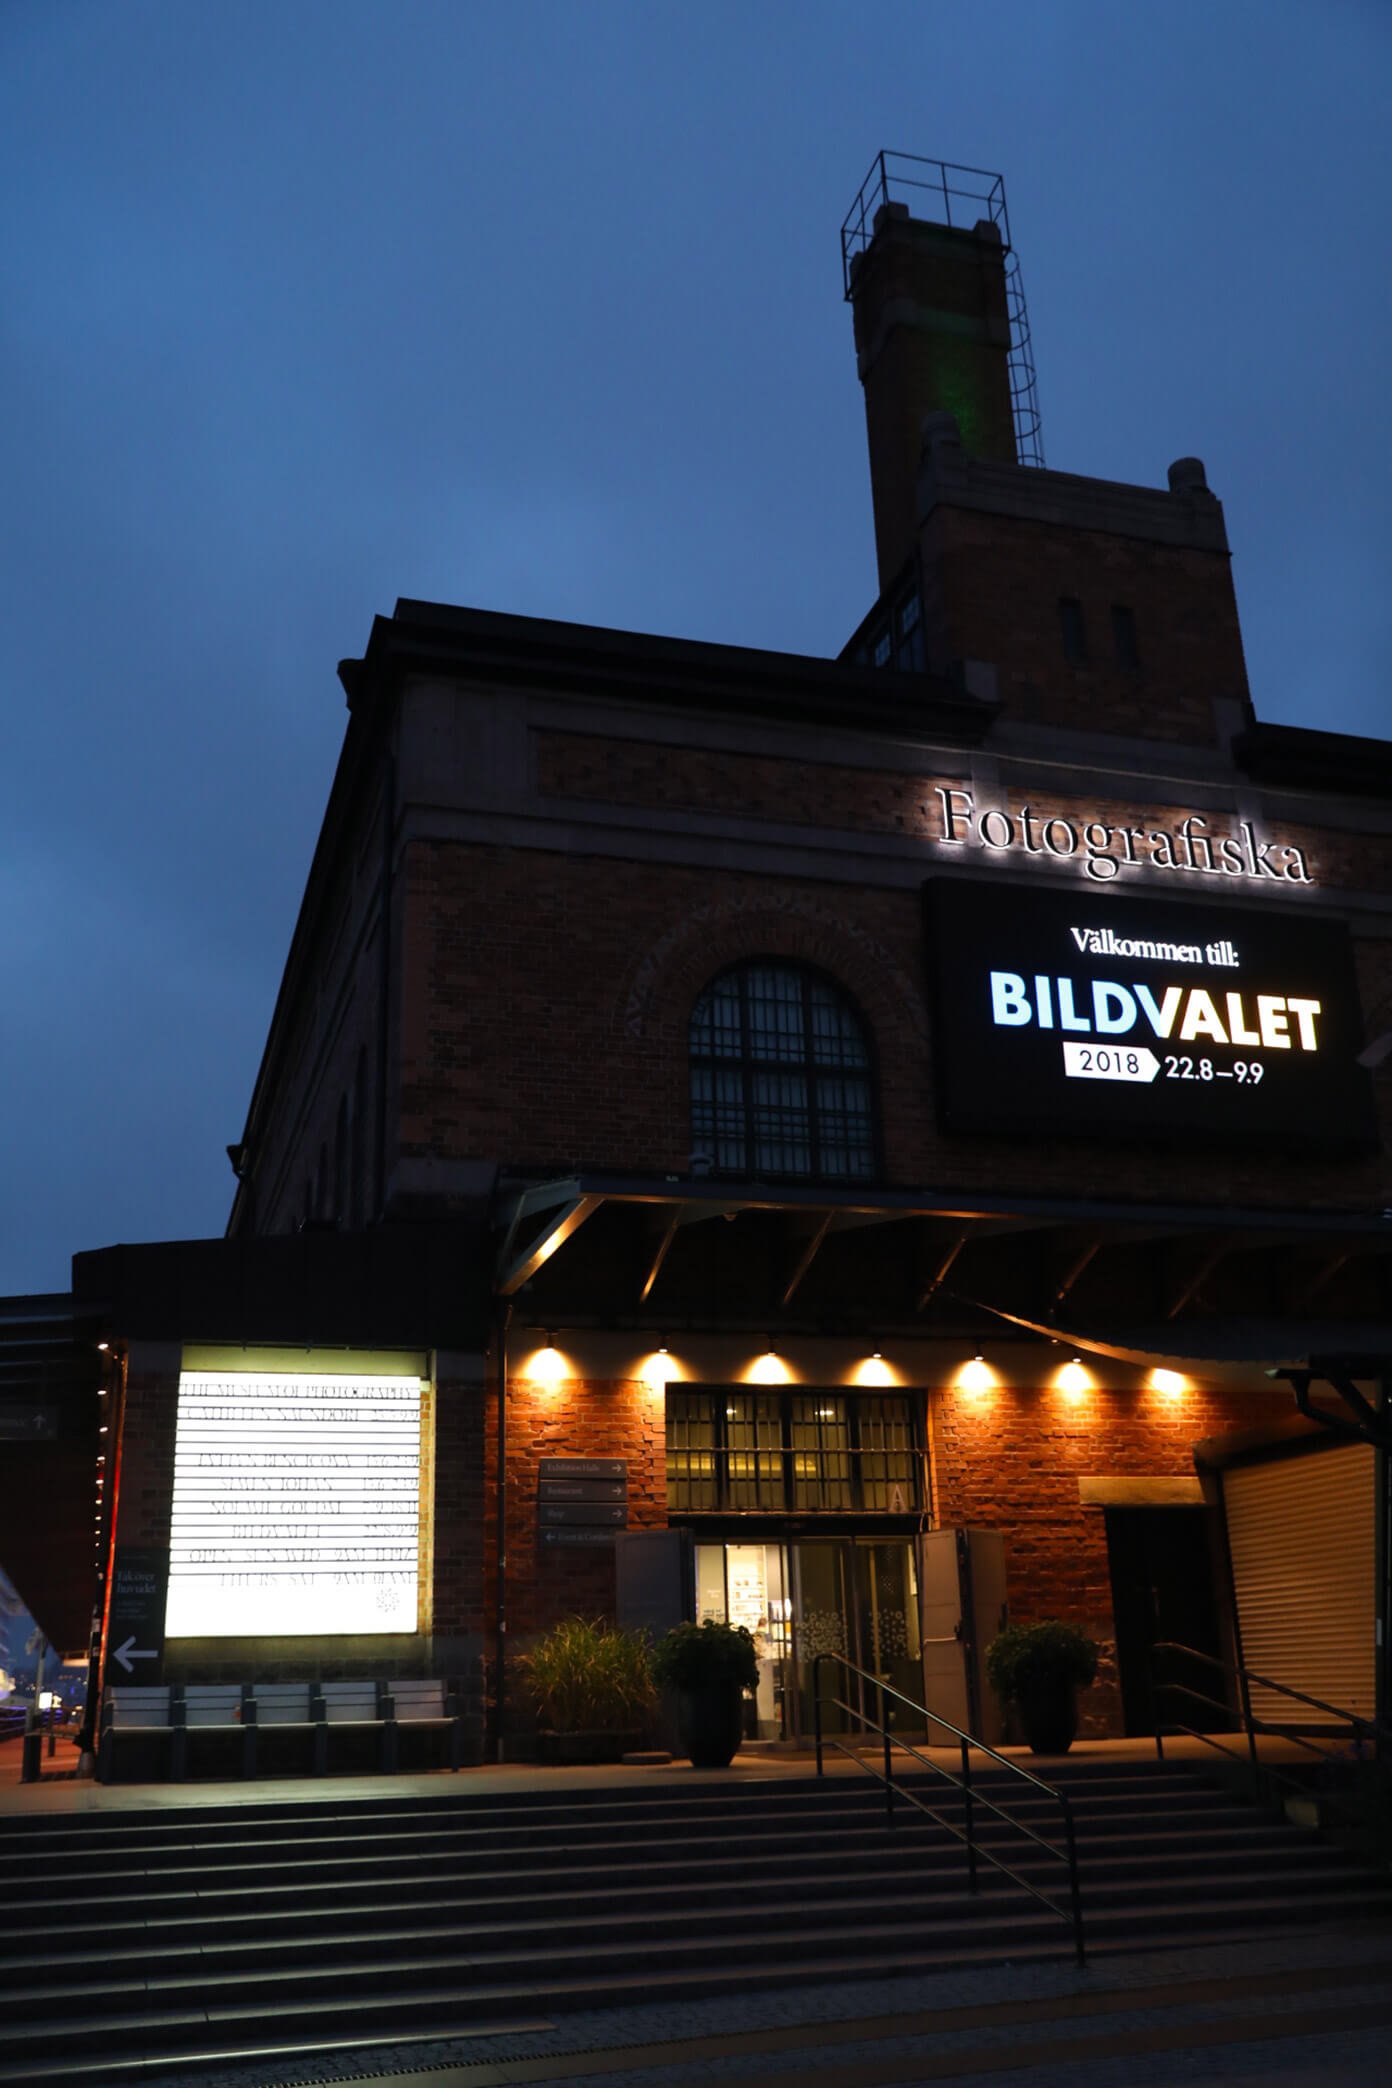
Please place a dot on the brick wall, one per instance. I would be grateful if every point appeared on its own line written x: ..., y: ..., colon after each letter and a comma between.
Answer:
x: 992, y: 585
x: 646, y: 773
x: 502, y: 1058
x: 145, y: 1460
x: 581, y: 1417
x: 1011, y: 1460
x: 1006, y: 1459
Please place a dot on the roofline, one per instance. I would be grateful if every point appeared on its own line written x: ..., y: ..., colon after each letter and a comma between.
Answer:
x: 440, y: 639
x: 1312, y: 759
x: 368, y: 724
x: 529, y: 651
x: 720, y: 1193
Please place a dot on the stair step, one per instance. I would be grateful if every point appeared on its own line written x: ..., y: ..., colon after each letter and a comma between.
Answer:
x: 628, y: 1937
x: 190, y: 1936
x: 899, y: 1873
x: 578, y: 1980
x: 527, y: 1925
x: 813, y: 1825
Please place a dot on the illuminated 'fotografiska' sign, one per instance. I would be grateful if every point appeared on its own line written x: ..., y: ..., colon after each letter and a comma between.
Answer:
x: 1104, y: 849
x: 1131, y: 1017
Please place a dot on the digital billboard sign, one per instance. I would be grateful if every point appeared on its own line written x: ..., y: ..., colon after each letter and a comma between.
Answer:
x: 1090, y: 1016
x: 296, y: 1505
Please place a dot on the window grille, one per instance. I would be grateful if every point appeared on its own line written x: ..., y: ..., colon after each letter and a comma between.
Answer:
x: 819, y: 1452
x: 780, y: 1077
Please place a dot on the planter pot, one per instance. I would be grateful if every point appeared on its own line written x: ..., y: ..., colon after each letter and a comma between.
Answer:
x: 1049, y: 1719
x: 710, y: 1725
x: 570, y: 1748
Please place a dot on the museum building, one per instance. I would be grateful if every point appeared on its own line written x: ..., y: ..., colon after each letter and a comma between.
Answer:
x: 857, y: 1147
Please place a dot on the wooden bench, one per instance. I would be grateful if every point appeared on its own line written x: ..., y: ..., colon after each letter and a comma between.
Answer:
x: 140, y: 1719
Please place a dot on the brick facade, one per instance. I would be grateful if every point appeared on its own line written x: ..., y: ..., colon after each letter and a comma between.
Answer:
x: 1011, y: 1460
x: 543, y: 842
x: 993, y: 588
x: 501, y: 1054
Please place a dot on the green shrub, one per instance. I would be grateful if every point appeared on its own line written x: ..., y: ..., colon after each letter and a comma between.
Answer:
x: 702, y: 1656
x: 589, y: 1677
x: 1036, y: 1657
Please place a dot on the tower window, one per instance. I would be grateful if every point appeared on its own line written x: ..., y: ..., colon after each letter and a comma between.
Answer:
x: 780, y: 1076
x: 1072, y: 628
x: 1124, y: 636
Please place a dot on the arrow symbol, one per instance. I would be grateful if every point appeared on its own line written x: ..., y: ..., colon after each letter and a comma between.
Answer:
x: 130, y: 1653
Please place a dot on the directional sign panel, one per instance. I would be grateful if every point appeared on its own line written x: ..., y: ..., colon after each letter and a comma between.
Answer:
x: 603, y: 1513
x: 582, y: 1490
x: 135, y: 1623
x: 27, y: 1423
x: 1087, y: 1015
x: 611, y: 1468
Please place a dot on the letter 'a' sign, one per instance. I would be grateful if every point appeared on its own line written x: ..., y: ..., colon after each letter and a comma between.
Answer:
x: 1090, y: 1016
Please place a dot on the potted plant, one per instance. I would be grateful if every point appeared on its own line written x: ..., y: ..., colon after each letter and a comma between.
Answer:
x: 594, y: 1690
x: 708, y: 1667
x: 1039, y: 1668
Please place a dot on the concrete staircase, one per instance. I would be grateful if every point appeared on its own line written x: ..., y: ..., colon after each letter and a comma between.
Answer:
x: 146, y: 1940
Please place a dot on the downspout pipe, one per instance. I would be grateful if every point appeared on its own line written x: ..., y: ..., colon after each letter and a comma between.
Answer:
x: 504, y: 1321
x: 1382, y: 1554
x: 384, y: 978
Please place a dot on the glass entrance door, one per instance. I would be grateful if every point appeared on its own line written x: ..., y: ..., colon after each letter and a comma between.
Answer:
x: 887, y: 1616
x: 854, y: 1596
x: 857, y: 1597
x: 746, y: 1584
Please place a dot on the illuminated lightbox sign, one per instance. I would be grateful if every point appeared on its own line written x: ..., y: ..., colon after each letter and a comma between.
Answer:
x: 1100, y: 1017
x: 296, y: 1504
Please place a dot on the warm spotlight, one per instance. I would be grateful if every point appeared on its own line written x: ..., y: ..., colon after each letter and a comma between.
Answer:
x: 976, y: 1376
x: 547, y: 1366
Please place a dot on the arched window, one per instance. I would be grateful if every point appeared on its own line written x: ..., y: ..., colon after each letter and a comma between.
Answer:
x: 780, y: 1076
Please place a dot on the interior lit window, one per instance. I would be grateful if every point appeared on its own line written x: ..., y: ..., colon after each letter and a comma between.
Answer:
x: 810, y: 1451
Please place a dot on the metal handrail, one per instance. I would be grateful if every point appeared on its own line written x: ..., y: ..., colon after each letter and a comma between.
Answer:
x: 1252, y: 1725
x: 971, y: 1796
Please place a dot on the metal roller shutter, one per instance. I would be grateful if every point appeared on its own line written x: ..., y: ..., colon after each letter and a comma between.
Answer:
x: 1301, y: 1536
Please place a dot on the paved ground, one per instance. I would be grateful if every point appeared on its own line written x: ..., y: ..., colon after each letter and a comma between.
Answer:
x: 1295, y: 2011
x: 60, y: 1790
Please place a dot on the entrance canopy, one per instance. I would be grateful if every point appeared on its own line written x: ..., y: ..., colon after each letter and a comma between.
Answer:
x: 1205, y: 1288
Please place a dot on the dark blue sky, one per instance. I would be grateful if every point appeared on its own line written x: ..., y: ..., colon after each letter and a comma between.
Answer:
x: 538, y: 308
